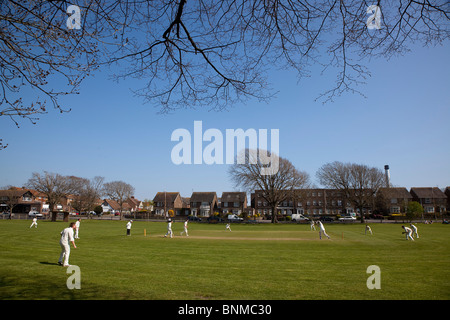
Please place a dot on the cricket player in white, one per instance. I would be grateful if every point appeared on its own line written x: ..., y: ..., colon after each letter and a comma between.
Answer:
x: 368, y: 229
x: 169, y: 229
x: 408, y: 233
x: 129, y: 227
x: 77, y: 227
x: 322, y: 230
x: 312, y: 225
x: 227, y: 227
x: 185, y: 228
x: 66, y: 236
x: 34, y: 223
x: 414, y: 231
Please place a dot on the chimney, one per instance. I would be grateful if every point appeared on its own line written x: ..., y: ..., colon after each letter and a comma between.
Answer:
x: 387, y: 176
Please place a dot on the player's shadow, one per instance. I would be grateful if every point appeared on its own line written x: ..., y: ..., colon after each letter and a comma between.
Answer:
x: 49, y: 263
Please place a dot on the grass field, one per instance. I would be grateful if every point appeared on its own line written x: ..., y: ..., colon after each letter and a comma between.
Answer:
x: 265, y: 261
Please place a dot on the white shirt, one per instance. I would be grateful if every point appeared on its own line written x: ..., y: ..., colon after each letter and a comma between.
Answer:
x: 185, y: 224
x: 66, y: 236
x: 77, y: 224
x: 321, y: 226
x: 169, y: 226
x: 129, y: 225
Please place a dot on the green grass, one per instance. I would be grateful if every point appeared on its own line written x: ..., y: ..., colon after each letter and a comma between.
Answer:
x: 251, y: 262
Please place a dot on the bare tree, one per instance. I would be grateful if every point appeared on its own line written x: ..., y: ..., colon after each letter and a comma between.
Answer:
x: 10, y: 197
x: 55, y: 187
x: 202, y: 53
x: 285, y: 182
x: 87, y: 193
x: 358, y: 182
x: 118, y: 191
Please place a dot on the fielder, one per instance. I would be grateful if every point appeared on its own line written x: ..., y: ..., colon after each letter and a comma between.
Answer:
x: 185, y: 228
x: 414, y: 231
x: 368, y: 229
x: 322, y: 230
x: 408, y: 233
x: 77, y: 227
x: 169, y: 229
x: 66, y: 236
x: 227, y: 227
x: 312, y: 225
x: 34, y: 223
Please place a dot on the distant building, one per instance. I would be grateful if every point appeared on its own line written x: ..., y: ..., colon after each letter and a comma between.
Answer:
x: 433, y: 200
x: 392, y: 200
x: 203, y: 204
x: 233, y: 202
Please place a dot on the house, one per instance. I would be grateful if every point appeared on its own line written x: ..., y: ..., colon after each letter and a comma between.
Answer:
x: 165, y: 201
x: 233, y: 202
x: 21, y: 200
x: 135, y: 204
x: 393, y: 200
x: 113, y: 207
x: 432, y: 199
x: 203, y: 204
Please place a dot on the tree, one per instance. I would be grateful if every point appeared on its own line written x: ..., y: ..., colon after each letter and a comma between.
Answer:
x: 281, y: 182
x: 413, y: 210
x: 55, y: 187
x: 38, y: 51
x: 11, y: 198
x: 358, y: 182
x: 200, y: 53
x: 118, y: 191
x: 87, y: 193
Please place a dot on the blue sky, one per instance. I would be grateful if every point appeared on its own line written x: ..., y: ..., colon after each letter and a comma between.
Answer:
x: 403, y: 122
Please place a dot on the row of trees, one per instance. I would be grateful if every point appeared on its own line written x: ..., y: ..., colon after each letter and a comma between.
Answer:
x: 358, y: 182
x: 84, y: 191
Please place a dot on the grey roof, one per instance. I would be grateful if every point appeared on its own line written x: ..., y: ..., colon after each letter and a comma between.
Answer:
x: 431, y: 193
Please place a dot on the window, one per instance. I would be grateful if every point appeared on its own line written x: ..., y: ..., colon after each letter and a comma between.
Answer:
x: 395, y: 209
x: 236, y: 204
x: 427, y: 200
x: 429, y: 209
x: 394, y: 200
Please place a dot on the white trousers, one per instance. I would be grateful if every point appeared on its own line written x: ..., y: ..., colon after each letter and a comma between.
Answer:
x: 65, y: 253
x: 323, y: 231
